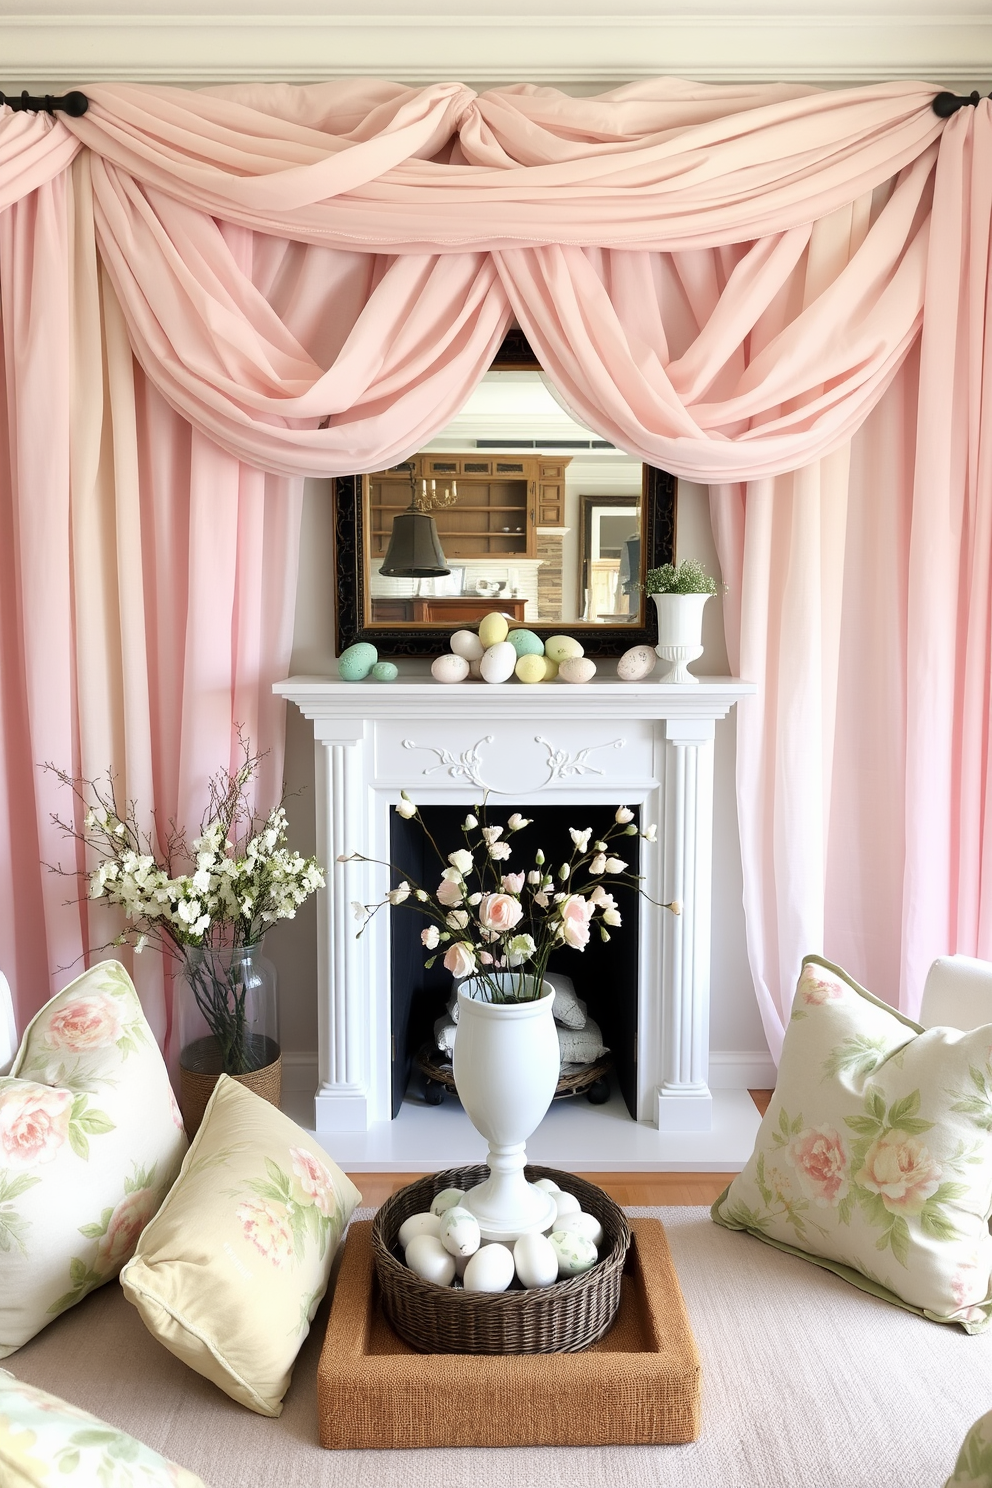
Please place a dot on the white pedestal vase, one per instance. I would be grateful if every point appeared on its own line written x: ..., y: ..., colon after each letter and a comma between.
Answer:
x: 506, y: 1065
x: 680, y: 633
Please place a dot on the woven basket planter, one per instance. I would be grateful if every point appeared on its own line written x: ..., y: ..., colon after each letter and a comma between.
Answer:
x: 195, y: 1090
x: 559, y: 1319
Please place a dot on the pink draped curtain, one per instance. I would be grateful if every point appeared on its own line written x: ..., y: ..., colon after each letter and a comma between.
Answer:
x: 728, y: 282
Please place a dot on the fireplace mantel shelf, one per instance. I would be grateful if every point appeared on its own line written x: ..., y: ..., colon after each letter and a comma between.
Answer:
x: 646, y: 744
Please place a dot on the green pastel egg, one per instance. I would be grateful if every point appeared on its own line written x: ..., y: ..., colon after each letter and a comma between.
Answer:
x: 562, y: 648
x: 526, y: 643
x: 492, y: 630
x: 357, y: 661
x: 384, y: 671
x: 531, y: 668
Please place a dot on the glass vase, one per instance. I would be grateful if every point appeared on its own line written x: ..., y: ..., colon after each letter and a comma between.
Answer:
x: 227, y: 1025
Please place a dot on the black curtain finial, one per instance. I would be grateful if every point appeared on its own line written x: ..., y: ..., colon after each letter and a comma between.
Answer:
x: 74, y: 104
x: 946, y: 104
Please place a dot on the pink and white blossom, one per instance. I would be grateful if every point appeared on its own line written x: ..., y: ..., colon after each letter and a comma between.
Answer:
x: 576, y: 913
x: 499, y: 852
x: 314, y: 1179
x: 820, y: 1158
x: 462, y: 860
x: 266, y: 1226
x: 128, y: 1220
x: 499, y: 913
x: 91, y: 1021
x: 517, y: 822
x: 615, y: 865
x: 459, y: 959
x: 430, y: 937
x: 623, y: 816
x: 449, y: 893
x: 512, y: 883
x: 580, y: 838
x: 598, y: 864
x: 902, y: 1170
x: 519, y: 948
x: 34, y: 1124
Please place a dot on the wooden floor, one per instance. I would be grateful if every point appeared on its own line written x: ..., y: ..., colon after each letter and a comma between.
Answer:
x: 647, y: 1189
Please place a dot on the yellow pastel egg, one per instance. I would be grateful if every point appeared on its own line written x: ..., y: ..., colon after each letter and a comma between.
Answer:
x: 551, y: 667
x: 531, y: 668
x: 492, y: 630
x: 562, y: 648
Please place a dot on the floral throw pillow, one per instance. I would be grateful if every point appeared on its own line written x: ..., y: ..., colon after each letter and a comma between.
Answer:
x: 973, y: 1468
x: 44, y: 1441
x: 874, y: 1158
x: 229, y: 1273
x: 90, y: 1142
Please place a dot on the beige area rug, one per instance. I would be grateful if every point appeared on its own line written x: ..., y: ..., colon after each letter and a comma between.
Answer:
x: 807, y: 1383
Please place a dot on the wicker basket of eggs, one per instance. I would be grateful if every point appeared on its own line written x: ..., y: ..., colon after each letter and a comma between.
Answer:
x: 445, y: 1290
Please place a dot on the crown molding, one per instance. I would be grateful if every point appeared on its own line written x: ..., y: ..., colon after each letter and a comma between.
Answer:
x: 563, y: 43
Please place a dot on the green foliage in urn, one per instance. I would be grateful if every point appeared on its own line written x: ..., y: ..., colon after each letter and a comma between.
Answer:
x: 689, y: 578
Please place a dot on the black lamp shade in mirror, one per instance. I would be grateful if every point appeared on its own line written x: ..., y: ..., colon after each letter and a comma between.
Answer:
x: 414, y: 550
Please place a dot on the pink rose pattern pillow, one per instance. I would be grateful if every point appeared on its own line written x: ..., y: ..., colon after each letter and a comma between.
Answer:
x: 90, y: 1142
x: 875, y: 1154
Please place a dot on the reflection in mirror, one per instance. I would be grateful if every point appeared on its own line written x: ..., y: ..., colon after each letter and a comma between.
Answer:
x: 532, y: 514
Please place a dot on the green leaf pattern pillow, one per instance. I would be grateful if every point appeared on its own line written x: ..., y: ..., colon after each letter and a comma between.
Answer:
x: 875, y: 1155
x: 973, y: 1468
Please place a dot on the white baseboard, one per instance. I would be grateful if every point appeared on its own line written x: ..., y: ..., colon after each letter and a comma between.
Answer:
x: 742, y: 1069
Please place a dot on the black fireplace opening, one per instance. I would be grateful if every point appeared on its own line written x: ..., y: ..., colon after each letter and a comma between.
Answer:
x: 604, y: 973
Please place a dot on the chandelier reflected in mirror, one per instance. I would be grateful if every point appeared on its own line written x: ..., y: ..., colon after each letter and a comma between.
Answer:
x: 415, y: 550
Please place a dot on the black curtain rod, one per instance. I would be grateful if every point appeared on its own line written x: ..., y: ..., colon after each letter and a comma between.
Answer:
x: 946, y: 104
x: 73, y: 104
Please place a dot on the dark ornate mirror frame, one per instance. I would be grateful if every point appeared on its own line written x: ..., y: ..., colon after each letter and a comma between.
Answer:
x: 405, y: 641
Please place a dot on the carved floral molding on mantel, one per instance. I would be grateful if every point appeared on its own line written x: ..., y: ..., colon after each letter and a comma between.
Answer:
x: 562, y: 764
x: 581, y: 46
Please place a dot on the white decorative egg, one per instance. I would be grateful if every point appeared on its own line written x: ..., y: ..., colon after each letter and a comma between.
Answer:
x: 446, y: 1199
x: 449, y: 668
x: 548, y: 1184
x: 636, y: 663
x: 459, y: 1232
x: 575, y: 1253
x: 418, y: 1224
x: 489, y: 1270
x: 577, y: 669
x: 499, y: 662
x: 535, y: 1260
x: 466, y: 643
x: 581, y: 1224
x: 475, y: 669
x: 567, y: 1203
x: 428, y: 1259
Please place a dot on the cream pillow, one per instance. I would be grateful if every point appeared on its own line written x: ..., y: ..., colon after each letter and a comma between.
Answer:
x: 874, y: 1158
x: 229, y: 1273
x: 973, y: 1468
x: 90, y: 1142
x: 44, y: 1441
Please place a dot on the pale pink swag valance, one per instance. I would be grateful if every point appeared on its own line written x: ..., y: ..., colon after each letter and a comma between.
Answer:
x: 724, y: 281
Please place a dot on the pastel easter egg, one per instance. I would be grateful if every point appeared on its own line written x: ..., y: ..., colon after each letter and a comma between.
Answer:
x: 575, y: 1253
x: 551, y: 668
x: 489, y: 1270
x: 498, y: 663
x: 493, y: 629
x: 355, y: 663
x: 636, y: 663
x: 475, y: 670
x: 535, y: 1260
x: 428, y: 1259
x: 418, y: 1224
x: 446, y: 1199
x: 449, y: 668
x: 561, y: 647
x: 581, y: 1224
x: 531, y: 668
x: 466, y: 643
x: 459, y: 1231
x: 384, y: 671
x: 526, y: 643
x: 577, y: 669
x: 567, y: 1204
x: 548, y: 1184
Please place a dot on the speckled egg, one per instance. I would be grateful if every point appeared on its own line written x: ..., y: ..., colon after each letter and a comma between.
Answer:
x: 581, y: 1224
x: 535, y: 1260
x: 418, y: 1224
x: 526, y: 643
x: 428, y: 1259
x: 531, y: 668
x: 567, y: 1204
x: 489, y: 1270
x: 449, y: 668
x: 466, y: 643
x: 636, y: 663
x: 548, y: 1184
x: 577, y: 669
x: 446, y: 1199
x: 357, y: 661
x: 384, y: 671
x: 575, y: 1253
x: 561, y: 647
x: 459, y: 1232
x: 498, y: 662
x: 493, y: 628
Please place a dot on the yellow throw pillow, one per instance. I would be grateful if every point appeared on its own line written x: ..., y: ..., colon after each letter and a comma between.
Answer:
x: 229, y: 1273
x: 90, y: 1142
x: 874, y: 1158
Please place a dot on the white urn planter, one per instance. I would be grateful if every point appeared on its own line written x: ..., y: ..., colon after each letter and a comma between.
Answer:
x: 680, y: 633
x: 506, y: 1065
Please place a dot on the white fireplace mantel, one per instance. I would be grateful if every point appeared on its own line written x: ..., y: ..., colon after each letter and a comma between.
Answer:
x: 643, y: 744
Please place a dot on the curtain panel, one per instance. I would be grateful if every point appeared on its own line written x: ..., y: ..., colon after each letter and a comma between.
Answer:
x: 739, y: 284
